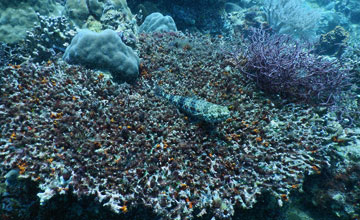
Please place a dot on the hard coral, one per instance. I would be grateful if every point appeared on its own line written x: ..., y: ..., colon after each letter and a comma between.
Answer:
x: 333, y: 42
x: 128, y: 148
x: 282, y: 66
x: 47, y: 38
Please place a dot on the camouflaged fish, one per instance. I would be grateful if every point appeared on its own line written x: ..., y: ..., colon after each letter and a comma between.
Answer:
x: 197, y: 108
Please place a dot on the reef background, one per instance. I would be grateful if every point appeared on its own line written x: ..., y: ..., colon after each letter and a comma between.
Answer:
x: 75, y: 143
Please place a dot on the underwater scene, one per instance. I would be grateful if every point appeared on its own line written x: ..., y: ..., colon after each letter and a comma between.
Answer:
x: 179, y: 109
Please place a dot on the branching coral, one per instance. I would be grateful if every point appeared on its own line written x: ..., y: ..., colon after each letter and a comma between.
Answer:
x: 73, y: 130
x: 50, y: 36
x: 282, y: 66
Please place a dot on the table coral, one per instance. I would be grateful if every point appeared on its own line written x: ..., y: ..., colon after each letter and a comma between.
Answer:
x: 72, y: 129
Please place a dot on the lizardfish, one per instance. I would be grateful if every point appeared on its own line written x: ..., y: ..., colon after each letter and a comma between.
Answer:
x: 196, y: 108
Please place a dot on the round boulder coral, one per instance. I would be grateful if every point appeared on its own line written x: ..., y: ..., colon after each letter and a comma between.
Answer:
x: 104, y: 51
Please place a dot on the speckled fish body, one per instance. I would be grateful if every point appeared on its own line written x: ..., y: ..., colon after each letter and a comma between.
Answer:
x: 197, y: 108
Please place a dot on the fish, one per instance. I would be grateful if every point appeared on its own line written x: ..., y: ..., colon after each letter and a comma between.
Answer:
x: 196, y: 108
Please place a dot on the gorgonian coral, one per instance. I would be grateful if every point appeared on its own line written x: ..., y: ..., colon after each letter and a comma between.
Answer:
x: 294, y: 17
x: 280, y: 65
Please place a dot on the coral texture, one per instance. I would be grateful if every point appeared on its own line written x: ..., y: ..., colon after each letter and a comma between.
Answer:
x: 50, y: 36
x: 333, y: 42
x: 293, y: 17
x: 156, y: 22
x: 71, y: 129
x: 17, y: 17
x: 104, y: 51
x: 79, y: 11
x: 282, y: 66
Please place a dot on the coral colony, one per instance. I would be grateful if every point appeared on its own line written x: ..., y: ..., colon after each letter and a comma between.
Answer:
x: 280, y: 65
x: 134, y: 114
x: 67, y: 127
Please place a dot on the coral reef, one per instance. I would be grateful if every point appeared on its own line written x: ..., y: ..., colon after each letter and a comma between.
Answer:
x: 186, y: 14
x: 334, y: 42
x: 156, y: 22
x: 18, y: 16
x: 77, y: 144
x: 5, y: 54
x: 282, y: 66
x: 85, y: 13
x: 350, y: 9
x: 18, y: 198
x: 337, y: 190
x: 352, y: 56
x: 105, y: 51
x: 240, y: 22
x: 50, y: 36
x: 77, y: 11
x: 294, y: 17
x: 70, y: 129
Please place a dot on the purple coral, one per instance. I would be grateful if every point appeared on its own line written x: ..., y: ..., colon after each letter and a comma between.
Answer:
x: 282, y: 66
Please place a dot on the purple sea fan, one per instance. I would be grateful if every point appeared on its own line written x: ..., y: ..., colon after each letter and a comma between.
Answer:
x: 280, y: 65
